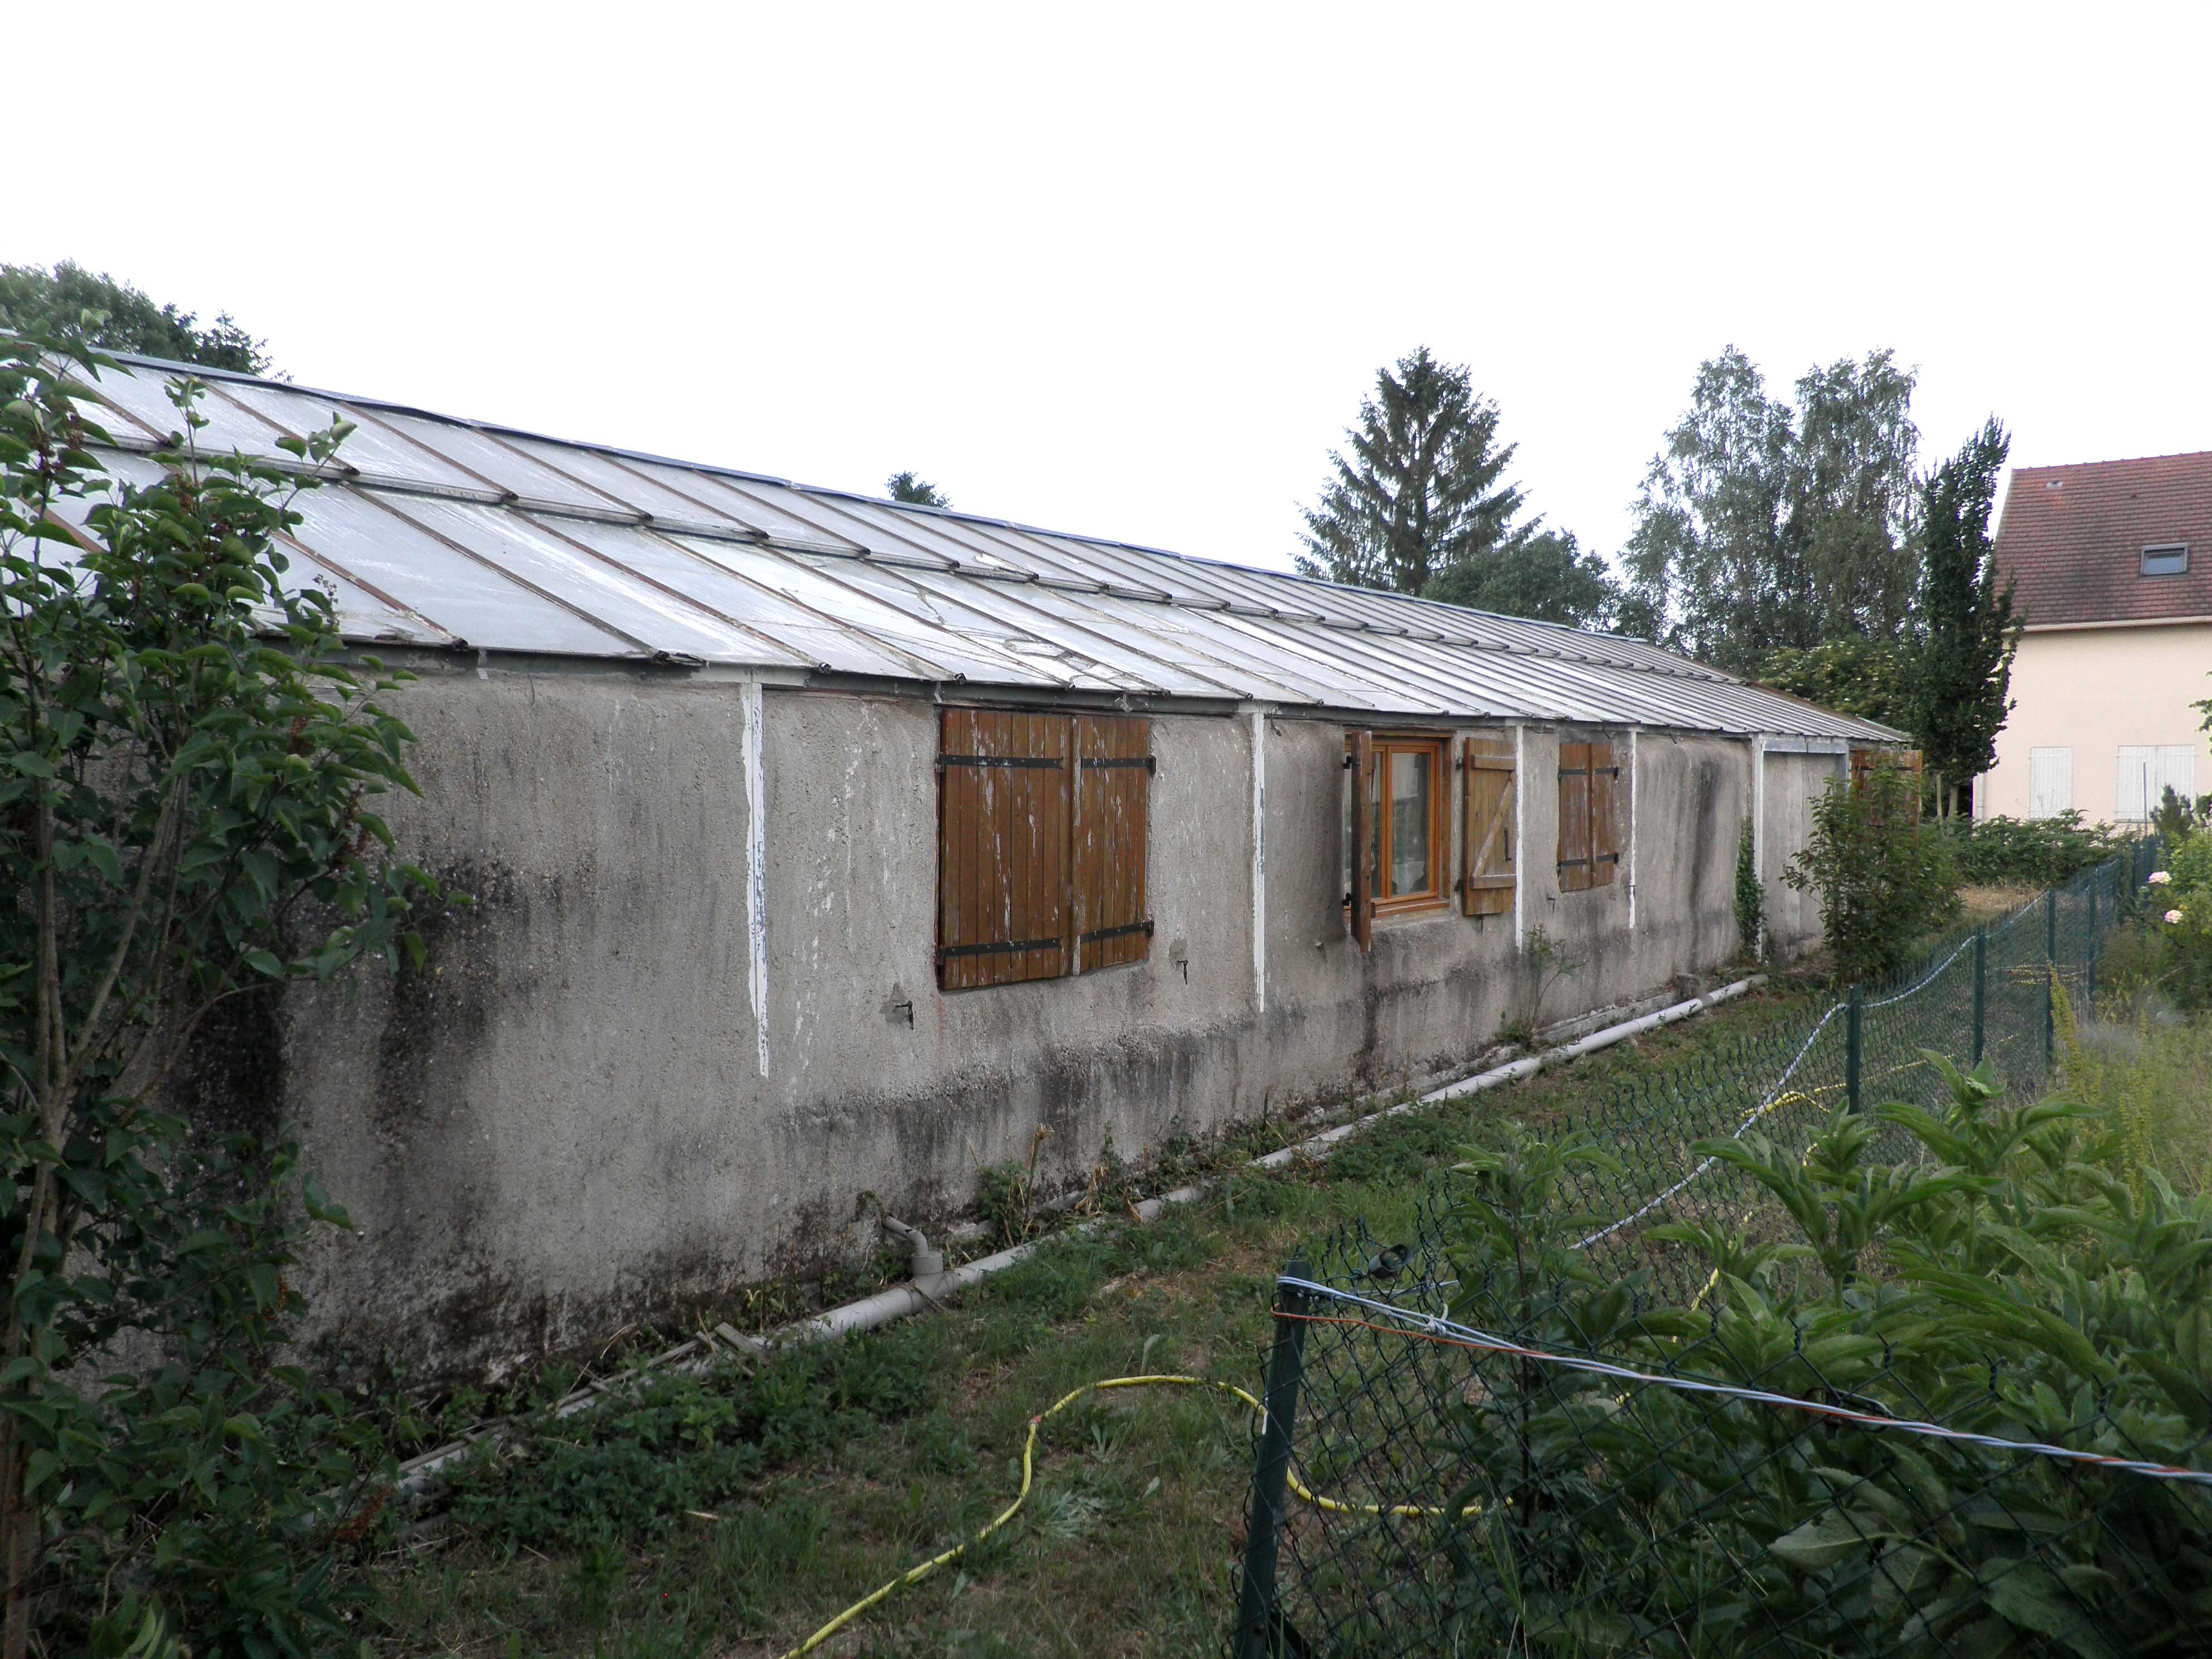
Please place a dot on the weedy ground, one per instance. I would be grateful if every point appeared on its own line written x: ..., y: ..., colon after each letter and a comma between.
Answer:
x: 732, y: 1514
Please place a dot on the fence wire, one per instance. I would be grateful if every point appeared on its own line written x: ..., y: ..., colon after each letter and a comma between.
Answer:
x: 1492, y: 1482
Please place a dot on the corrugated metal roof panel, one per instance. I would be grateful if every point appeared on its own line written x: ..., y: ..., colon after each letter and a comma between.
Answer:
x: 458, y: 531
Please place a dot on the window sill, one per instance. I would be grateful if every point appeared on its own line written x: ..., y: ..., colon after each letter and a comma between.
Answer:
x: 1391, y: 910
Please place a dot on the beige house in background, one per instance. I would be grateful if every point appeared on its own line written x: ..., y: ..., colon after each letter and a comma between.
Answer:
x: 2112, y: 562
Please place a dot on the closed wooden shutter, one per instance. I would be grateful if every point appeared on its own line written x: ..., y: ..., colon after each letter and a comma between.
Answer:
x: 1486, y: 834
x: 1574, y: 817
x: 1604, y: 814
x: 1114, y: 766
x: 1362, y: 904
x: 1004, y: 911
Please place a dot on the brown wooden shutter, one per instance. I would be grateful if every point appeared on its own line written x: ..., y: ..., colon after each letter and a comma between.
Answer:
x: 1113, y: 786
x: 1486, y: 831
x: 1574, y: 817
x: 1910, y: 760
x: 1605, y: 823
x: 1003, y: 794
x: 1363, y: 841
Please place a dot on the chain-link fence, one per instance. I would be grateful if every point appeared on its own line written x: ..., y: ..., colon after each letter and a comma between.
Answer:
x: 1986, y: 992
x: 1455, y: 1459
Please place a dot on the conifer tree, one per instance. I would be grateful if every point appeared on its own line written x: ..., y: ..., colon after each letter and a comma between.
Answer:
x: 914, y: 490
x: 1966, y: 666
x: 1419, y: 491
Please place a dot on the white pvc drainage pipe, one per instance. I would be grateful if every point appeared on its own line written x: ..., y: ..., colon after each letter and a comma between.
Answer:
x: 919, y: 1295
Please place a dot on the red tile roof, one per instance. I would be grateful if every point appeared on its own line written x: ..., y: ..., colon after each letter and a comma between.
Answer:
x: 2073, y: 536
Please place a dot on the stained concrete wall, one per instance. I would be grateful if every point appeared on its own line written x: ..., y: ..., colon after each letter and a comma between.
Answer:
x: 564, y: 1123
x: 1794, y: 784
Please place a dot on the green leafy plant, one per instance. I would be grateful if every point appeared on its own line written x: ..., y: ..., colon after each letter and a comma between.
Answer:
x: 2001, y: 1275
x: 2002, y: 852
x: 1544, y: 964
x: 1884, y: 878
x: 1750, y: 898
x: 188, y: 767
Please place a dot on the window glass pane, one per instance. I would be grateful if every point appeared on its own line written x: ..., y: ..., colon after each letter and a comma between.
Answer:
x: 2165, y: 561
x: 1343, y: 841
x: 1410, y: 819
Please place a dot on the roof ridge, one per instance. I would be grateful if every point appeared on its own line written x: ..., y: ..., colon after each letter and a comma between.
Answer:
x: 2119, y: 460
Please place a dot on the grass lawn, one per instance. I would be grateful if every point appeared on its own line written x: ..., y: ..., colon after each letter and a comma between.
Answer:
x: 735, y: 1513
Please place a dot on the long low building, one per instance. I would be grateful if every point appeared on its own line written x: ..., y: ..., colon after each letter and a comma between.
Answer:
x: 824, y: 847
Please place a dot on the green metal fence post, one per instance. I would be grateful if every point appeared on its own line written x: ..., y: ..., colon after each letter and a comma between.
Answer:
x: 2049, y: 973
x: 1981, y: 988
x: 1258, y: 1614
x: 2089, y: 952
x: 1852, y: 1015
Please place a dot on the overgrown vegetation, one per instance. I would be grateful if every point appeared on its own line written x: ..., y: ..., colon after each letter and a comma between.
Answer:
x: 1750, y: 898
x: 1883, y: 878
x: 188, y: 769
x: 1127, y: 1546
x: 2001, y: 851
x: 2024, y: 1271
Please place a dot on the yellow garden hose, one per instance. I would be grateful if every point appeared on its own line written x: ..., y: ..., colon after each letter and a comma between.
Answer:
x: 914, y: 1575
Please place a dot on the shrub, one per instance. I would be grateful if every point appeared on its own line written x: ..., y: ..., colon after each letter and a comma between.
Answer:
x: 1884, y: 878
x: 185, y: 821
x: 2002, y: 1277
x: 2000, y: 852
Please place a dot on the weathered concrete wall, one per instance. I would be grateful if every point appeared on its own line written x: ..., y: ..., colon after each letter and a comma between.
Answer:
x: 565, y: 1124
x: 1794, y: 784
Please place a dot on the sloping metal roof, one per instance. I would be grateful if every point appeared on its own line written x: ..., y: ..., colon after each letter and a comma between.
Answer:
x: 443, y: 532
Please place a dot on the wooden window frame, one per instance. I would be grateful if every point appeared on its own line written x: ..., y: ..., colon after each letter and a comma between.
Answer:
x: 1064, y: 778
x: 1368, y: 753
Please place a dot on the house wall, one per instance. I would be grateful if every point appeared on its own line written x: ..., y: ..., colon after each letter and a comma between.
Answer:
x: 565, y: 1124
x: 2092, y: 690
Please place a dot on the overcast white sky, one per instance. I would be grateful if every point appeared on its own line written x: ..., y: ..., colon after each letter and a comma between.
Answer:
x: 1127, y: 270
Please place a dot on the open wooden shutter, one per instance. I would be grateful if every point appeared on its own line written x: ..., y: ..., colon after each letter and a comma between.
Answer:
x: 1574, y: 817
x: 1486, y: 835
x: 1605, y: 824
x: 1113, y: 779
x: 1909, y: 760
x: 1004, y: 795
x: 1363, y: 841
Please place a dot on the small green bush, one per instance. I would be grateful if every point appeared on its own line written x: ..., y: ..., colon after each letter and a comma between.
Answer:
x: 1883, y: 876
x: 2007, y: 1275
x: 2000, y: 852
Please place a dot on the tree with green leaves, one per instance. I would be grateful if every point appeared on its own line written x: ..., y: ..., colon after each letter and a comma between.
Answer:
x: 1965, y: 666
x: 1874, y: 679
x: 1422, y: 488
x: 911, y: 490
x: 1547, y: 577
x: 34, y: 299
x: 189, y: 764
x: 1761, y: 526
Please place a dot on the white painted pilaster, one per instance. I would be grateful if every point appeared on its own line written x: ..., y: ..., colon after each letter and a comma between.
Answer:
x: 1521, y: 865
x: 1259, y: 729
x: 1633, y: 793
x: 756, y: 865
